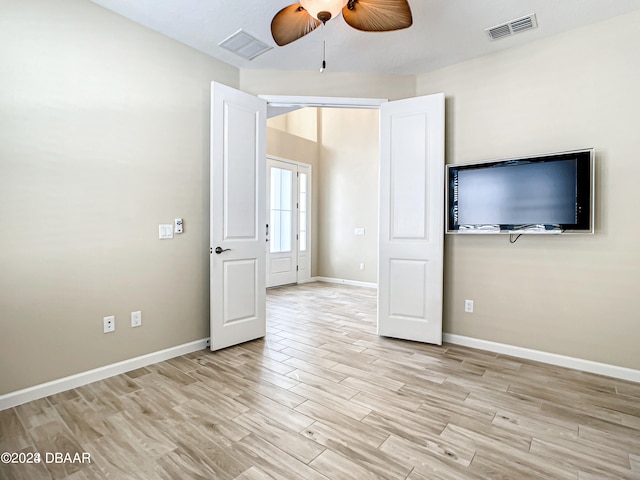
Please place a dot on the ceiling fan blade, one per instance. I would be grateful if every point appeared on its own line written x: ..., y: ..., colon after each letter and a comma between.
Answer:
x: 378, y: 15
x: 291, y: 23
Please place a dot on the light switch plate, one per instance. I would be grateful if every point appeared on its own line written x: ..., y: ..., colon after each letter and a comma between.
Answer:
x: 165, y: 231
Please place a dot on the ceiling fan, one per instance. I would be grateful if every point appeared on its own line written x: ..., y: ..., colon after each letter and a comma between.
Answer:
x: 297, y: 20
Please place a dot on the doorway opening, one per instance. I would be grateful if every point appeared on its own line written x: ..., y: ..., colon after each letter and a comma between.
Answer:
x: 410, y: 211
x: 342, y: 147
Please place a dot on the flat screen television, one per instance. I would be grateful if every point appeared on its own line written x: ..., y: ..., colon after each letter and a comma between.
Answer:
x: 550, y: 193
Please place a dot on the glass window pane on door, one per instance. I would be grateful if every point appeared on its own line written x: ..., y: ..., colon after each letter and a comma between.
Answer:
x: 281, y: 210
x: 302, y: 220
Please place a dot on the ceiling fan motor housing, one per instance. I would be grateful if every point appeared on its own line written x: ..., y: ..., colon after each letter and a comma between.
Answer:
x: 324, y: 17
x: 323, y: 10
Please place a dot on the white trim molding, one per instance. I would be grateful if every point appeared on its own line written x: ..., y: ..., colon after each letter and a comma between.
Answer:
x: 293, y: 101
x: 36, y: 392
x: 343, y: 282
x: 606, y: 369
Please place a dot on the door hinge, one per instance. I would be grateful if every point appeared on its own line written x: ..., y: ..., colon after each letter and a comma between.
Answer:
x: 296, y: 268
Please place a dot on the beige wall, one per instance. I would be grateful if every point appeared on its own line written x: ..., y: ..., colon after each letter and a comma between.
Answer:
x: 104, y: 134
x: 570, y: 295
x: 328, y: 84
x: 348, y: 196
x: 302, y: 123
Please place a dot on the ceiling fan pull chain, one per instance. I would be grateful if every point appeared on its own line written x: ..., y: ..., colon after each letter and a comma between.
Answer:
x: 323, y: 66
x: 324, y: 60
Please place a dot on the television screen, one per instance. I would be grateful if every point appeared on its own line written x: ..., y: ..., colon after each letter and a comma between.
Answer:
x: 550, y: 193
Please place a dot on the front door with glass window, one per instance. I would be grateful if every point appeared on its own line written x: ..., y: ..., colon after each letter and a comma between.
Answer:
x: 288, y: 187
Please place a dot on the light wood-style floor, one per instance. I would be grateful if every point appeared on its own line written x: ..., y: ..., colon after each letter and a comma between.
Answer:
x: 323, y: 397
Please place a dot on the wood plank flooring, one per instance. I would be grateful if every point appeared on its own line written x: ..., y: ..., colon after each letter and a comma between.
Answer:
x: 323, y: 397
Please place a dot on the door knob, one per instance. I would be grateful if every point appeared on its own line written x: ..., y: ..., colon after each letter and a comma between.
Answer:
x: 219, y: 250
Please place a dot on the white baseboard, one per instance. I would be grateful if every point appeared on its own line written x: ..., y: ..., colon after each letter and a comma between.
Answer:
x: 36, y: 392
x: 29, y: 394
x: 344, y: 282
x: 623, y: 373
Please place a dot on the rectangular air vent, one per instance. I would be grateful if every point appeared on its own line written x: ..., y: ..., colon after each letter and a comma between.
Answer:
x: 244, y: 45
x: 514, y: 26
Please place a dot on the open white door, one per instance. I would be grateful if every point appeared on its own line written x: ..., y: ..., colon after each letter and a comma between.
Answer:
x: 237, y: 254
x: 411, y: 219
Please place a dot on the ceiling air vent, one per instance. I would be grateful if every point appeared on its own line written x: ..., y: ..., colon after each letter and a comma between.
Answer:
x: 244, y: 45
x: 514, y: 26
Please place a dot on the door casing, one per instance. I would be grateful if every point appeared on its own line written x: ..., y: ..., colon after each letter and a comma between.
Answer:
x: 299, y: 261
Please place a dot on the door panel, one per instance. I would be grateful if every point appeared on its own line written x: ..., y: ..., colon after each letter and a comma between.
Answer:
x: 411, y: 219
x: 409, y: 182
x: 238, y: 152
x: 282, y: 265
x: 407, y: 286
x: 240, y: 172
x: 240, y: 299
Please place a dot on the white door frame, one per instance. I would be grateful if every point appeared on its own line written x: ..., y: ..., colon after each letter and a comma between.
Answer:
x: 302, y: 260
x: 289, y: 102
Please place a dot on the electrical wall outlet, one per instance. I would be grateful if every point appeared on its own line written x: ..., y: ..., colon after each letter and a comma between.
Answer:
x: 109, y: 324
x: 468, y: 306
x: 362, y: 266
x: 136, y: 319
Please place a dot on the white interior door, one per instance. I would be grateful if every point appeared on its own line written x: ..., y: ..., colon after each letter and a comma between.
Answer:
x: 237, y: 254
x: 282, y: 242
x: 411, y: 219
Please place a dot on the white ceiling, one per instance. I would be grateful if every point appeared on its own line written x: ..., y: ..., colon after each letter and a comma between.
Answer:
x: 444, y: 32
